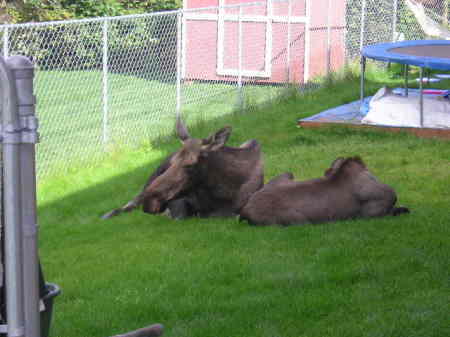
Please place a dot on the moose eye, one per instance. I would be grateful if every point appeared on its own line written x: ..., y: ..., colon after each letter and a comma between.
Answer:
x: 189, y: 165
x: 190, y: 170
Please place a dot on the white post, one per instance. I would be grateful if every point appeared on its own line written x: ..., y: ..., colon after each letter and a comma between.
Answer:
x: 288, y: 47
x: 394, y: 20
x: 329, y: 38
x: 179, y: 61
x: 363, y: 23
x: 240, y: 91
x: 105, y: 81
x: 307, y: 41
x: 5, y: 42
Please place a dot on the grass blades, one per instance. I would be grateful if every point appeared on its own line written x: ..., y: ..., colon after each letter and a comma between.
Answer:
x: 219, y: 277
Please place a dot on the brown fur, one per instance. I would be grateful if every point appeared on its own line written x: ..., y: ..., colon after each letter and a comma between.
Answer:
x: 339, y: 166
x: 204, y: 178
x: 348, y: 190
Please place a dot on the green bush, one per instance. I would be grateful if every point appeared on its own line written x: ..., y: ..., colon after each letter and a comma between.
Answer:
x: 80, y: 46
x: 53, y: 10
x: 152, y: 5
x: 152, y: 41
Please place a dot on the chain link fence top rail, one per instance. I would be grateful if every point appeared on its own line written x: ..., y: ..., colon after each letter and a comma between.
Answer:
x: 121, y: 80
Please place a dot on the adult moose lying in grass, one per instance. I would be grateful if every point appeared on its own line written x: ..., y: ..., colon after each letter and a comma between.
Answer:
x: 348, y: 190
x: 204, y: 178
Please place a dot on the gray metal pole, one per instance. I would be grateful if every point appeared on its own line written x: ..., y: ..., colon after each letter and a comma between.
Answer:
x: 105, y: 81
x: 288, y: 46
x: 240, y: 54
x: 179, y: 60
x: 12, y: 214
x: 406, y: 74
x: 329, y: 38
x: 363, y: 71
x: 363, y: 24
x: 22, y: 71
x: 5, y: 42
x: 421, y: 96
x: 308, y: 47
x: 394, y: 19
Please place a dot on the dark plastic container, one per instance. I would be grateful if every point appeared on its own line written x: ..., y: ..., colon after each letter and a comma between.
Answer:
x: 52, y: 290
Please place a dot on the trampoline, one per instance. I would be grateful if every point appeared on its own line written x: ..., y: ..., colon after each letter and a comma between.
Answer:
x: 434, y: 54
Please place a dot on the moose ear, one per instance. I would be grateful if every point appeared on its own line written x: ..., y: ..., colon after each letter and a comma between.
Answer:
x: 218, y: 139
x: 182, y: 131
x: 337, y: 163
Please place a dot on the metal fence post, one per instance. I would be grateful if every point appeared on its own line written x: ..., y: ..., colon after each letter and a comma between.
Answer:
x: 5, y: 42
x: 362, y: 79
x: 23, y: 72
x: 363, y: 23
x: 240, y: 53
x: 105, y: 133
x: 394, y: 19
x: 12, y: 209
x: 307, y: 41
x: 445, y: 14
x: 421, y: 95
x: 329, y: 38
x: 406, y: 75
x: 288, y: 47
x: 179, y: 62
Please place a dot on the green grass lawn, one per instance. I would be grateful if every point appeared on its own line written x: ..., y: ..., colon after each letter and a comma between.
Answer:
x: 221, y: 278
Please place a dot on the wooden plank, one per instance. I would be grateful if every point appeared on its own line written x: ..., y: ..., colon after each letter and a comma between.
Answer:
x: 419, y: 132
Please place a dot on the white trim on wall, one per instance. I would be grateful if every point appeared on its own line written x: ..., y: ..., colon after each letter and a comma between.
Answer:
x: 245, y: 18
x: 222, y: 17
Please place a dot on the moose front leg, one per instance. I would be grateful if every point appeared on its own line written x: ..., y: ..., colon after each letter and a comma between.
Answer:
x: 180, y: 208
x: 154, y: 330
x: 128, y: 207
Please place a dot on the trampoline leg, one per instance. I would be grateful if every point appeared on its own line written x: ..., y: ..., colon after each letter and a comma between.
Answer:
x: 406, y: 71
x: 421, y: 96
x: 363, y: 70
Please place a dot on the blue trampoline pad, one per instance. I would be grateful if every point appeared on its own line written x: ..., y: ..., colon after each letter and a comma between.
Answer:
x: 433, y: 54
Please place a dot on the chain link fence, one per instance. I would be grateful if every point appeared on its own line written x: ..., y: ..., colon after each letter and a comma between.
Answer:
x: 377, y: 21
x: 98, y: 82
x: 119, y: 81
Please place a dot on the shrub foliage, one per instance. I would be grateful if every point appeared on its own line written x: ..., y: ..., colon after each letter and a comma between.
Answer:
x: 51, y: 10
x: 80, y: 46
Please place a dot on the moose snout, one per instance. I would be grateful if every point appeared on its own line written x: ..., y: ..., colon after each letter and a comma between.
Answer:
x: 153, y: 205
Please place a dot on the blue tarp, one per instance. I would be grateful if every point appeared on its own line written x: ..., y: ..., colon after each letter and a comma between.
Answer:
x: 354, y: 112
x: 382, y: 52
x: 348, y: 113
